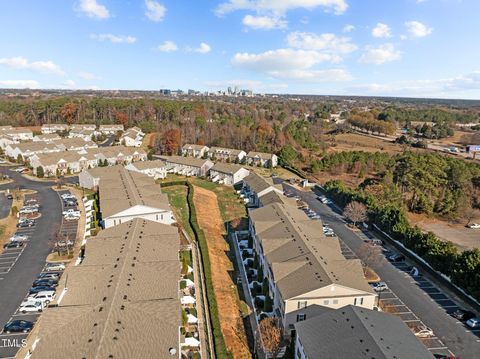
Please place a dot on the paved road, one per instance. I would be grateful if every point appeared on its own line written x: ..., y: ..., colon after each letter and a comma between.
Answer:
x: 16, y: 283
x: 5, y: 205
x: 108, y: 142
x: 464, y: 343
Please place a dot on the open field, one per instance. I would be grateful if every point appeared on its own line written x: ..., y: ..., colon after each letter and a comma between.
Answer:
x: 357, y: 142
x: 210, y: 220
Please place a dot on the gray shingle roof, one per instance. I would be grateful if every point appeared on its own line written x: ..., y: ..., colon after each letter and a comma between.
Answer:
x: 355, y: 332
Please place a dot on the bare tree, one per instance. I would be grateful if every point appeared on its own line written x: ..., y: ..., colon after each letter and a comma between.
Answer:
x: 356, y: 212
x: 271, y: 335
x: 370, y: 257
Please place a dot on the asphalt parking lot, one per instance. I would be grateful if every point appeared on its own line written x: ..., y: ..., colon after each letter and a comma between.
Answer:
x: 5, y: 205
x: 68, y: 229
x: 417, y: 299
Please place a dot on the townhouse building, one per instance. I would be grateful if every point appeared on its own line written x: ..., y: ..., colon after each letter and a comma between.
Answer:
x: 133, y: 137
x: 255, y: 187
x: 110, y: 129
x: 54, y: 127
x: 227, y: 174
x: 226, y: 154
x: 261, y: 159
x: 302, y: 266
x: 156, y: 169
x: 187, y: 166
x: 191, y: 150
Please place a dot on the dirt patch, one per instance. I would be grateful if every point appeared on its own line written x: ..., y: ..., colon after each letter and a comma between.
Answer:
x: 357, y: 142
x: 462, y: 237
x: 210, y: 220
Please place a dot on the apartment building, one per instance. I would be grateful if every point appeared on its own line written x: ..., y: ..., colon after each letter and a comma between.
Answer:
x: 133, y: 137
x: 6, y: 140
x: 74, y: 144
x: 83, y: 126
x: 255, y: 187
x: 121, y: 301
x: 187, y: 166
x: 62, y: 163
x: 261, y: 159
x: 48, y: 137
x: 226, y: 154
x: 18, y: 134
x: 355, y: 332
x: 54, y: 127
x: 156, y: 169
x: 85, y: 134
x: 110, y: 129
x: 302, y: 266
x: 125, y: 195
x: 28, y: 149
x: 190, y: 150
x: 118, y: 155
x: 227, y: 174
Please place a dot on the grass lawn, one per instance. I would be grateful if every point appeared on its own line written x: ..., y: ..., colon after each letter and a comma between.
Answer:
x: 177, y: 196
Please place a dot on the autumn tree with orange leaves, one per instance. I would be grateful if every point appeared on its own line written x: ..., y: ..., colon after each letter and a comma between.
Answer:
x: 172, y: 141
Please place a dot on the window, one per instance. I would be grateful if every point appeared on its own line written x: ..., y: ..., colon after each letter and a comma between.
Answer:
x: 335, y: 301
x: 301, y: 317
x: 358, y: 301
x: 361, y: 301
x: 157, y: 217
x: 354, y: 301
x: 326, y: 302
x: 302, y: 304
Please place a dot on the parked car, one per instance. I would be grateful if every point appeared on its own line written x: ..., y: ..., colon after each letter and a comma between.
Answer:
x: 43, y: 297
x: 25, y: 210
x: 31, y: 306
x: 42, y: 288
x: 49, y: 275
x: 15, y: 244
x: 18, y: 326
x: 396, y: 257
x: 423, y: 332
x: 463, y: 315
x: 9, y: 196
x: 25, y: 223
x: 69, y: 203
x: 474, y: 226
x: 18, y: 238
x: 71, y: 217
x: 379, y: 286
x: 50, y: 282
x: 68, y: 195
x: 473, y: 323
x: 71, y: 212
x: 55, y: 267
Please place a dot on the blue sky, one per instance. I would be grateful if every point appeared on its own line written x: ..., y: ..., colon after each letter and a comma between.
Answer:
x: 412, y: 48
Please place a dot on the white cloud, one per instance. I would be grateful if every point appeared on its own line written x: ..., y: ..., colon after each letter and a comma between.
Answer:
x: 325, y: 42
x: 168, y: 46
x: 22, y: 63
x: 291, y: 64
x: 446, y: 87
x: 381, y: 30
x: 315, y: 76
x: 93, y: 9
x: 87, y: 75
x: 115, y: 39
x: 417, y: 29
x: 381, y: 54
x: 264, y: 22
x: 281, y: 60
x: 69, y: 84
x: 280, y: 7
x: 20, y: 84
x: 155, y: 11
x: 348, y: 28
x: 204, y: 48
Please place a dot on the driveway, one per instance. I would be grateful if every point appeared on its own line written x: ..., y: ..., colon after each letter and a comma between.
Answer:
x: 29, y: 263
x: 422, y: 298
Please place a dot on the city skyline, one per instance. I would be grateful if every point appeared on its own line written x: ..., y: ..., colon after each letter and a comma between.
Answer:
x: 336, y: 47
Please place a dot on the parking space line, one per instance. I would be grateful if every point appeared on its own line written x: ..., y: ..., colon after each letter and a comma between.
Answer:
x: 438, y: 348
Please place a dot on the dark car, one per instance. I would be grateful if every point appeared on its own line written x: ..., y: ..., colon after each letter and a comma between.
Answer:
x: 42, y: 288
x: 49, y: 282
x: 25, y: 224
x: 9, y: 196
x: 463, y: 315
x: 16, y: 326
x: 14, y: 244
x: 396, y: 258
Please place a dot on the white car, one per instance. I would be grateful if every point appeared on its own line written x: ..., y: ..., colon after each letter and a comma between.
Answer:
x: 423, y: 332
x: 474, y: 226
x: 68, y: 196
x: 55, y: 267
x: 71, y: 217
x: 379, y: 286
x: 473, y: 323
x: 31, y: 306
x: 26, y: 210
x: 71, y: 212
x: 18, y: 238
x: 43, y: 297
